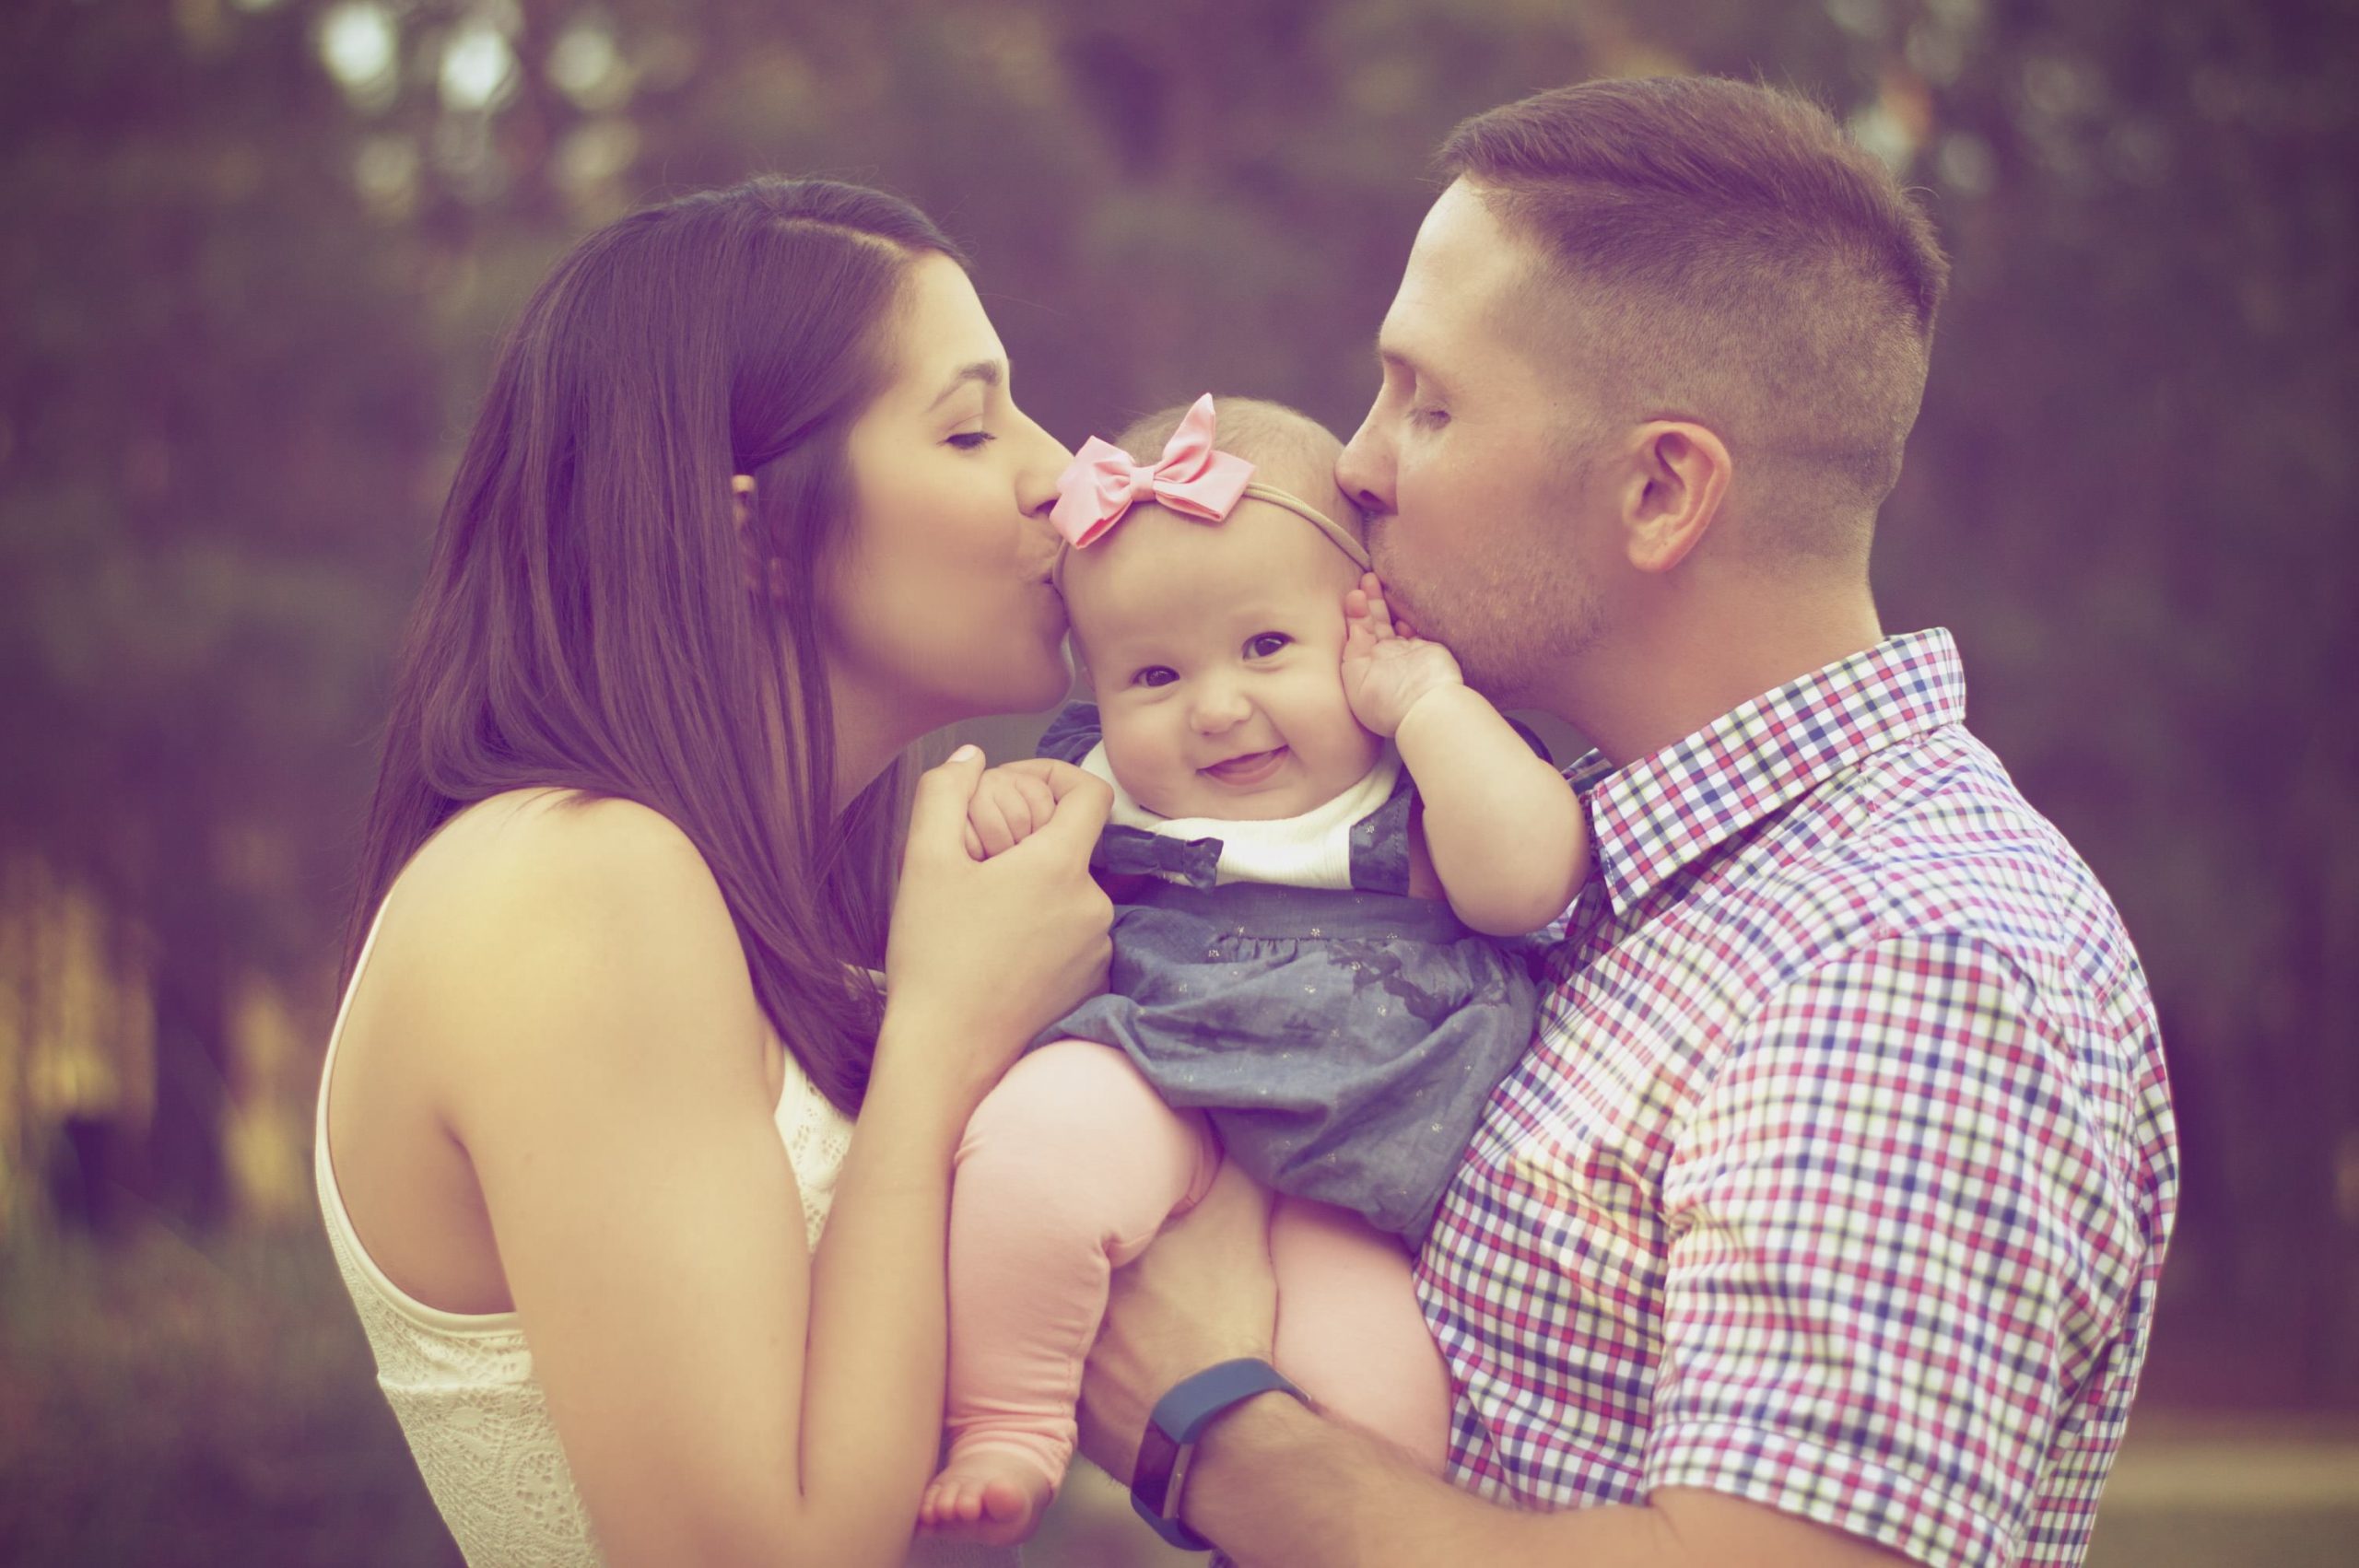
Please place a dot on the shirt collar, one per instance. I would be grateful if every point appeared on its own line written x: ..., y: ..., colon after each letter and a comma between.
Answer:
x: 1665, y: 811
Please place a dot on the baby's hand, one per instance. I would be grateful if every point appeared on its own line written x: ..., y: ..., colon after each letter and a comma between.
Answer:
x: 1387, y: 666
x: 1011, y: 804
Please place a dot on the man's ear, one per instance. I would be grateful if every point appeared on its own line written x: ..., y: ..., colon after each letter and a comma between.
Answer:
x: 1676, y: 484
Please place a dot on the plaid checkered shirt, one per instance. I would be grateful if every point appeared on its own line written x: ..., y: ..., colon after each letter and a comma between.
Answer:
x: 1839, y: 1173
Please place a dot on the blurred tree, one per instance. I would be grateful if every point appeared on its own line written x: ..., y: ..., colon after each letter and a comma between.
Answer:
x: 2134, y: 488
x: 262, y: 248
x: 214, y: 421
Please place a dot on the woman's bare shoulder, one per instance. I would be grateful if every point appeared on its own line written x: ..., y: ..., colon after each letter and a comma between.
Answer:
x: 556, y: 856
x: 553, y: 905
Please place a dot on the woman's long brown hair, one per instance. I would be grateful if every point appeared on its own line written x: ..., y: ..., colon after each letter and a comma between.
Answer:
x: 587, y: 622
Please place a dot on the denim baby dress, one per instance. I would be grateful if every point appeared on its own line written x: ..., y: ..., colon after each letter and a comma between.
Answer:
x: 1342, y: 1038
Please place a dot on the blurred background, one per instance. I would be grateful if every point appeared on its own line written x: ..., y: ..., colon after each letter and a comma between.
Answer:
x: 257, y: 253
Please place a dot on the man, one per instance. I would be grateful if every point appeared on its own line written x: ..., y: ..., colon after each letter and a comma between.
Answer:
x: 1822, y: 1221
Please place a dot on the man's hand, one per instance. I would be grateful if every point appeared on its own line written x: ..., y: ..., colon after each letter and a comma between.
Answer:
x: 1202, y: 1295
x: 1015, y: 800
x: 1387, y: 666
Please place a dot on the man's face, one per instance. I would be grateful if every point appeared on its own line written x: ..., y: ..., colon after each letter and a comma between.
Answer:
x: 1485, y: 517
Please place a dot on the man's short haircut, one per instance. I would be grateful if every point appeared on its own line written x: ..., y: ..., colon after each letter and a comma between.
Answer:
x: 1723, y: 251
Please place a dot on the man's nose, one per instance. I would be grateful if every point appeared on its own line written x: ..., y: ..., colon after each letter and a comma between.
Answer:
x: 1364, y: 472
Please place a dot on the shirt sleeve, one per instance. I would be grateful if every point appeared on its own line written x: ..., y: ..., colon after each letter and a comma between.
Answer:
x: 1894, y: 1253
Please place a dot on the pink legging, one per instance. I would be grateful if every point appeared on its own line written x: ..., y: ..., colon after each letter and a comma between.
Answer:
x: 1067, y: 1170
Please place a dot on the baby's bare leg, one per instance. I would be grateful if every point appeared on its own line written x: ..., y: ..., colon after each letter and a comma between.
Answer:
x: 1350, y: 1331
x: 1067, y: 1171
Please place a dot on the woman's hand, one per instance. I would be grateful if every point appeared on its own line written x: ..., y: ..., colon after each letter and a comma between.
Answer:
x: 988, y: 952
x: 1387, y: 666
x: 1204, y: 1293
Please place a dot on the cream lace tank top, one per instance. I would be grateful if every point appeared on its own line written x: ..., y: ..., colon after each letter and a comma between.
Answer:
x: 462, y: 1385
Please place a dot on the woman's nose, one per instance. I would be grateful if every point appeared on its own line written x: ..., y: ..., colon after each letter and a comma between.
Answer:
x: 1045, y: 460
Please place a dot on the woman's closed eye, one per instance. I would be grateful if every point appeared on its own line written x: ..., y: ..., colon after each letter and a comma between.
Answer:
x: 972, y: 440
x: 1263, y: 645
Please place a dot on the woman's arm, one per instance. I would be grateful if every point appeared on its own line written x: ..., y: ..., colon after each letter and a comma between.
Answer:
x: 1507, y: 836
x: 606, y: 1073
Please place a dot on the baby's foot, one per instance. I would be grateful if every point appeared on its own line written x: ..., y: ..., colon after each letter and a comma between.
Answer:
x: 991, y: 1496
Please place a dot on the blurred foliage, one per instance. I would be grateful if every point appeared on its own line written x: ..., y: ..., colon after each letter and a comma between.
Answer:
x: 259, y: 251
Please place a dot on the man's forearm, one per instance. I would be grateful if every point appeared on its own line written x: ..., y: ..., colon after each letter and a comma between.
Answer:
x: 1278, y: 1486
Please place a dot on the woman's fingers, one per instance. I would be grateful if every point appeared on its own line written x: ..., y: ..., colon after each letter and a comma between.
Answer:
x: 938, y: 806
x: 990, y: 953
x: 1079, y: 815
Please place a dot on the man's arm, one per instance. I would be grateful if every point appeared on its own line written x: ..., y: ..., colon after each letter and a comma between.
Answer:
x: 1275, y: 1483
x: 1897, y: 1242
x: 1290, y: 1487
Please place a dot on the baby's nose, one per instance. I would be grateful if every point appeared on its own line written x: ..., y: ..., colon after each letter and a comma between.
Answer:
x: 1219, y: 709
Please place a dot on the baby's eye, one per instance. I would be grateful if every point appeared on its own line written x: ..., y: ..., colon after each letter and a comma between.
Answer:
x: 1154, y: 676
x: 972, y: 440
x: 1262, y: 645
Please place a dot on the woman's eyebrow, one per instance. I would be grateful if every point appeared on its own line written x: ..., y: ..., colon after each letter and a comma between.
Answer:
x: 987, y: 372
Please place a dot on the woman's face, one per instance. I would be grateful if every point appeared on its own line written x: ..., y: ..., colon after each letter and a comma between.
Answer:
x: 940, y: 606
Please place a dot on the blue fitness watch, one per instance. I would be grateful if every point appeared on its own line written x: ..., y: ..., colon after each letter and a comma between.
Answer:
x: 1170, y: 1441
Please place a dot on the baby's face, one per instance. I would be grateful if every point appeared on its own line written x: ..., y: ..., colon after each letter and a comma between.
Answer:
x: 1214, y: 651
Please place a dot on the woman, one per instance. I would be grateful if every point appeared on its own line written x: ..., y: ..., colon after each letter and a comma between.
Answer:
x: 748, y: 509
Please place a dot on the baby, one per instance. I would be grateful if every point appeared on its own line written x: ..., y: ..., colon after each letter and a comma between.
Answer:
x: 1317, y: 826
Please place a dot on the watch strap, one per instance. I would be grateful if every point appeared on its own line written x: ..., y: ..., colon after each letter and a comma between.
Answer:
x: 1179, y: 1417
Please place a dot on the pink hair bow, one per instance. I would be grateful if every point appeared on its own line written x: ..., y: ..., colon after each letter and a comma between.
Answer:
x: 1103, y: 481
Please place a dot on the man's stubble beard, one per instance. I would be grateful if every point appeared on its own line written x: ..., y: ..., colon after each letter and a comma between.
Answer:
x: 1515, y: 632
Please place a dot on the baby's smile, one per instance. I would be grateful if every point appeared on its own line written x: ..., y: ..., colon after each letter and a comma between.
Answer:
x: 1250, y: 767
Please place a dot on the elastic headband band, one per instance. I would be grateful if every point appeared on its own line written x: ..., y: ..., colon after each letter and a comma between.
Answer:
x: 1337, y: 535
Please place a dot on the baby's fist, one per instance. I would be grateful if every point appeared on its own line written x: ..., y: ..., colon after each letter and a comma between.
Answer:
x: 1010, y: 802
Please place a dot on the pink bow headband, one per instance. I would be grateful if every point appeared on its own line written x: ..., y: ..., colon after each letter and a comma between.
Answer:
x: 1191, y: 478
